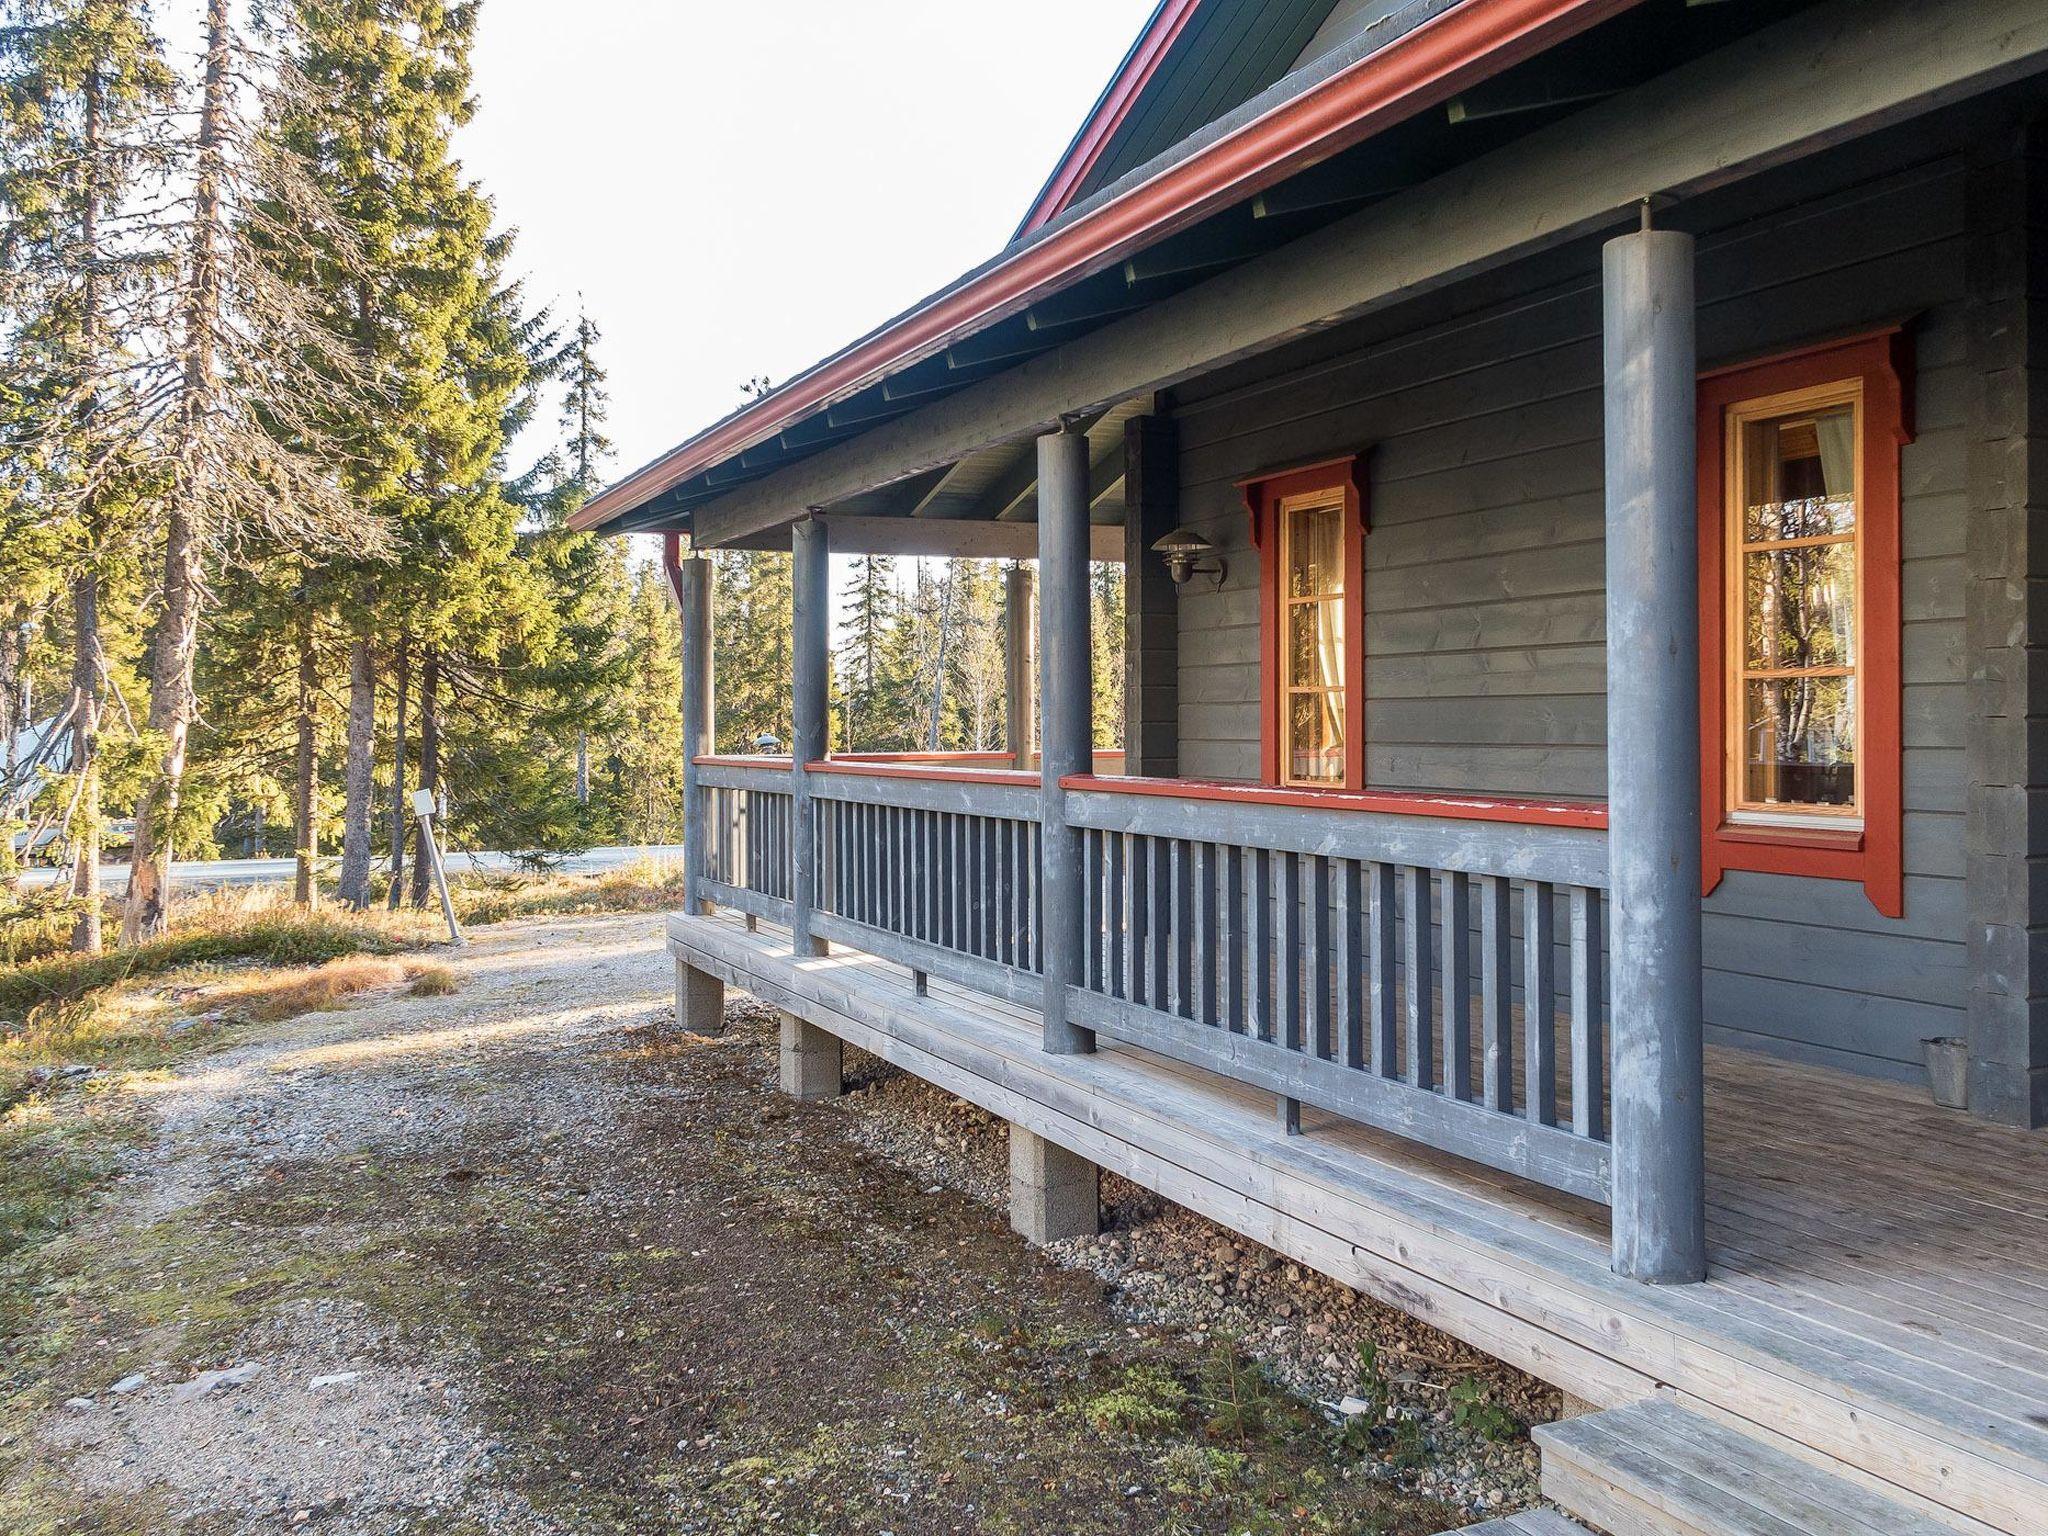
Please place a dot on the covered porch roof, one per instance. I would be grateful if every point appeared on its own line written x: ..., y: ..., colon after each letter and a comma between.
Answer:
x: 1434, y: 143
x: 1401, y: 95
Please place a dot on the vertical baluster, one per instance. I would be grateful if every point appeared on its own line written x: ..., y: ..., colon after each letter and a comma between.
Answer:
x: 963, y: 903
x: 1235, y: 939
x: 1159, y: 908
x: 1420, y: 982
x: 1119, y: 904
x: 1589, y: 1049
x: 1348, y: 896
x: 1182, y: 883
x: 1457, y: 927
x: 1539, y: 1002
x: 1320, y: 959
x: 1291, y: 980
x: 1137, y: 857
x: 1258, y: 894
x: 1205, y: 933
x: 1386, y: 1003
x: 992, y: 886
x: 1496, y: 995
x: 1020, y: 899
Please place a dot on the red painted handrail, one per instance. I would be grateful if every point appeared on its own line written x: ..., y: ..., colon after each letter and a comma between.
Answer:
x: 930, y: 771
x: 1504, y: 808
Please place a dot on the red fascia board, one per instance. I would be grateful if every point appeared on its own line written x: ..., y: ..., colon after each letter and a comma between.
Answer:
x: 1144, y: 61
x: 1505, y: 808
x: 1416, y: 71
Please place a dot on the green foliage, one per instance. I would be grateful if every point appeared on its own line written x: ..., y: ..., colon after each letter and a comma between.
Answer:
x: 752, y: 658
x: 1146, y: 1400
x: 1474, y: 1410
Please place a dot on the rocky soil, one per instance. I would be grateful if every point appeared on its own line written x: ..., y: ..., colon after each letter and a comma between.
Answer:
x: 512, y: 1260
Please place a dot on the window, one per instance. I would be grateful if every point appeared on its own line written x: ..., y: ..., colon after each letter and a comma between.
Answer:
x: 1309, y: 526
x: 1799, y: 576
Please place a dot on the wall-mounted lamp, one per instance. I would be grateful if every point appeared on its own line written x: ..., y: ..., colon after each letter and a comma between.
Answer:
x: 1188, y: 554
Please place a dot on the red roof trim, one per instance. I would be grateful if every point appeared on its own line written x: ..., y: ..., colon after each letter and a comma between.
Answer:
x: 1124, y: 93
x: 1414, y: 72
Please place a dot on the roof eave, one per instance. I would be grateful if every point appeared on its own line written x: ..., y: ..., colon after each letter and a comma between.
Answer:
x: 1410, y: 73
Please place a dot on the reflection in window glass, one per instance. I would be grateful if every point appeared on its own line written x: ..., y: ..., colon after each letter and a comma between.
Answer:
x: 1796, y: 595
x: 1312, y: 641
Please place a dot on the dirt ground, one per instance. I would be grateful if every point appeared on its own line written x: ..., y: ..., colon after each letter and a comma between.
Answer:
x: 511, y: 1260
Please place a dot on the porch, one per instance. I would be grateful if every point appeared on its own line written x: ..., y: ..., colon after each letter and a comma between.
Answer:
x: 1875, y: 1300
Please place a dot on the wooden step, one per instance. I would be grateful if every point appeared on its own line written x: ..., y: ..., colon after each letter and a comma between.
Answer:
x: 1530, y: 1522
x: 1653, y: 1469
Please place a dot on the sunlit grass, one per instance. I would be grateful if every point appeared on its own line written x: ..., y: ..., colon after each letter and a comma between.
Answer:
x: 648, y: 885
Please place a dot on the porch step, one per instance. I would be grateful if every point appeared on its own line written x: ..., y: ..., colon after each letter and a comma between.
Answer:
x: 1653, y: 1469
x: 1530, y: 1522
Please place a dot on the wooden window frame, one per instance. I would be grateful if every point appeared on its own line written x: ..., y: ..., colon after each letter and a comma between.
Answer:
x: 1263, y: 495
x: 1878, y: 366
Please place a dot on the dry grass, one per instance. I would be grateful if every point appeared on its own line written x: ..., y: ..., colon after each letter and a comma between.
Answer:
x: 430, y: 980
x: 650, y: 885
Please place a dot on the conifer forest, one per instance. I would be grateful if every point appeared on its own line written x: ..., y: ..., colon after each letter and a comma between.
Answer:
x: 287, y: 455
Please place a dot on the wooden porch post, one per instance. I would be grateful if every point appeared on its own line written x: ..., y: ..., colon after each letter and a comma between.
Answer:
x: 811, y: 603
x: 691, y: 579
x: 1653, y: 758
x: 1066, y: 693
x: 1020, y: 665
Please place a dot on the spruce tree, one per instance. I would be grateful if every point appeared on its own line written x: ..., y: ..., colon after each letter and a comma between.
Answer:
x: 871, y: 611
x: 84, y: 81
x: 388, y: 84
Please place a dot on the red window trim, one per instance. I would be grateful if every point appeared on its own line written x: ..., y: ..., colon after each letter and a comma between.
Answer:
x: 1262, y: 493
x: 1882, y: 360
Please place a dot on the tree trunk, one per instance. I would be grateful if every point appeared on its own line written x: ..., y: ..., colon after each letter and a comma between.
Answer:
x: 404, y: 665
x: 583, y: 767
x: 85, y: 587
x: 85, y: 760
x: 305, y: 805
x: 353, y: 887
x: 430, y: 765
x: 175, y: 642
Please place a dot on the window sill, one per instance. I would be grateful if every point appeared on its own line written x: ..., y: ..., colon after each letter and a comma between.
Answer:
x: 1835, y: 839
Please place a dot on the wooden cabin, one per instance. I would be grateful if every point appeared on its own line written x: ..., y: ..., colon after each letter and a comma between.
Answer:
x: 1574, y: 869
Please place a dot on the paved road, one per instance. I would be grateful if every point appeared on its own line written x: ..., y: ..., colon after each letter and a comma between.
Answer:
x: 220, y: 872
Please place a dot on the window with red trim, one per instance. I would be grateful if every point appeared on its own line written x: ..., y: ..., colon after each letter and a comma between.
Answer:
x: 1308, y: 525
x: 1799, y: 615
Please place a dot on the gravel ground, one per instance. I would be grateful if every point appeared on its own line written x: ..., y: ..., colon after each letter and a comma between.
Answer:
x: 514, y: 1261
x: 1170, y: 1266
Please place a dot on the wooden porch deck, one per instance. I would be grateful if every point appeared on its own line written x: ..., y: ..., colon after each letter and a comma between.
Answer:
x: 1878, y: 1302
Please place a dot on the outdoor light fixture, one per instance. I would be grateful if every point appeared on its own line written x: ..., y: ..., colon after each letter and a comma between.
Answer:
x: 1187, y: 553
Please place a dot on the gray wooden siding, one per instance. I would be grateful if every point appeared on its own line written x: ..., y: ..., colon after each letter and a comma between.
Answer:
x: 1484, y: 618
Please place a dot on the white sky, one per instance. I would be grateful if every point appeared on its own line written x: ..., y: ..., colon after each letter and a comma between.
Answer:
x: 739, y: 189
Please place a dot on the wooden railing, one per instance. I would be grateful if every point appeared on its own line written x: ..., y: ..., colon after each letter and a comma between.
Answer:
x: 1431, y: 966
x: 1428, y: 965
x: 934, y: 868
x: 748, y: 834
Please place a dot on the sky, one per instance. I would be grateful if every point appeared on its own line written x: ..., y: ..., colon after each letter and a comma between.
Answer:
x: 734, y: 190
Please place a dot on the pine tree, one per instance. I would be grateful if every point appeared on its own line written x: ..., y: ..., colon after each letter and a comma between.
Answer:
x: 250, y: 374
x: 388, y: 87
x: 642, y: 775
x: 752, y: 653
x: 980, y: 670
x: 1106, y: 630
x: 871, y: 613
x: 83, y: 81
